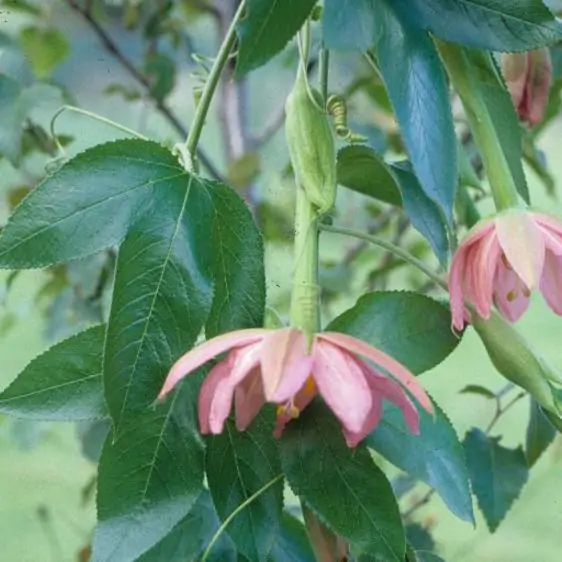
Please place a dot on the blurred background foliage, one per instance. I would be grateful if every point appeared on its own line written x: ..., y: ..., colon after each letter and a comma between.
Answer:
x: 142, y: 64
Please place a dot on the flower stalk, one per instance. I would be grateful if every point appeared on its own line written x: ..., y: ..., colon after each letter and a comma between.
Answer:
x: 466, y: 83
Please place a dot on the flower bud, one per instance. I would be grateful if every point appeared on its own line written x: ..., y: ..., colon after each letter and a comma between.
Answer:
x: 311, y: 144
x: 516, y: 361
x: 528, y: 77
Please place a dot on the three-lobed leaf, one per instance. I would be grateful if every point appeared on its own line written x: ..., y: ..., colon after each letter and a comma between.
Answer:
x: 497, y: 474
x: 149, y: 478
x: 238, y: 465
x: 417, y: 87
x: 484, y: 24
x: 413, y: 328
x: 267, y: 26
x: 343, y: 486
x: 62, y: 384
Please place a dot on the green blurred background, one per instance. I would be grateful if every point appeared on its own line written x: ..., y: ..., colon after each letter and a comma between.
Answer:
x: 47, y: 511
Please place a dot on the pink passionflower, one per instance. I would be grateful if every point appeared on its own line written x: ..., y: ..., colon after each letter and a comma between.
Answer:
x: 276, y: 366
x: 528, y: 77
x: 502, y: 260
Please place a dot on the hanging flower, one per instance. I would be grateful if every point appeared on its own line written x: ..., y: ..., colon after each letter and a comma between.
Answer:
x: 528, y: 77
x: 275, y: 366
x: 502, y: 260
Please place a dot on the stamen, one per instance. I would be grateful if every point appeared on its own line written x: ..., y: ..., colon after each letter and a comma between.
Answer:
x: 288, y: 410
x: 511, y: 296
x: 506, y: 263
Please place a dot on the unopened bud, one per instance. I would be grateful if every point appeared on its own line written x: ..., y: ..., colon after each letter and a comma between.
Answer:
x: 528, y: 77
x: 516, y: 361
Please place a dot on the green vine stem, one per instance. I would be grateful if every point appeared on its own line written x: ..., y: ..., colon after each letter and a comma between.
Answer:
x: 396, y: 250
x: 465, y: 82
x: 240, y: 508
x: 188, y: 150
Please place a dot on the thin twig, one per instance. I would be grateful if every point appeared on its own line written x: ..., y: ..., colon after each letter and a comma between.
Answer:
x: 111, y: 47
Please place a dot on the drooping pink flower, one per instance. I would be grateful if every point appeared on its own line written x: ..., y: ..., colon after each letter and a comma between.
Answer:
x: 276, y: 366
x: 528, y: 77
x: 502, y: 260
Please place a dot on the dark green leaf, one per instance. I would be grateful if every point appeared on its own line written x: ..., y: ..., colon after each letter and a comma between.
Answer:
x: 350, y: 24
x: 419, y: 537
x: 361, y: 169
x: 424, y: 556
x: 187, y: 541
x: 11, y: 118
x: 497, y: 474
x: 291, y: 544
x: 22, y: 6
x: 161, y: 297
x: 343, y: 486
x: 477, y: 389
x: 149, y: 478
x: 266, y: 28
x: 492, y: 25
x: 423, y: 212
x: 238, y: 465
x: 435, y: 456
x: 99, y: 194
x: 540, y: 433
x: 64, y: 383
x: 45, y: 47
x: 238, y: 269
x: 415, y: 79
x: 413, y: 328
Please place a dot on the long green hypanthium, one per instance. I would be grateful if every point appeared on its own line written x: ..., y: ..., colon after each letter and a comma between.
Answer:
x: 311, y: 144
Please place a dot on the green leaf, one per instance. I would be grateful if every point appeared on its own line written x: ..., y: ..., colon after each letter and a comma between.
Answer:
x: 424, y: 556
x: 492, y: 25
x: 11, y: 118
x: 62, y: 384
x: 149, y: 478
x: 162, y: 295
x: 237, y: 268
x: 187, y: 541
x: 413, y: 328
x: 45, y: 47
x: 419, y: 537
x: 238, y: 465
x: 22, y: 6
x: 343, y: 486
x: 291, y: 543
x: 416, y: 83
x: 266, y: 28
x: 350, y: 25
x: 361, y: 169
x: 99, y: 193
x: 540, y: 434
x: 161, y: 73
x: 435, y: 456
x: 497, y: 474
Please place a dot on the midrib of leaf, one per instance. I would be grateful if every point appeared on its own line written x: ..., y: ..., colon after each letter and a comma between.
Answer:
x: 49, y: 389
x: 86, y: 208
x: 358, y: 499
x: 153, y: 303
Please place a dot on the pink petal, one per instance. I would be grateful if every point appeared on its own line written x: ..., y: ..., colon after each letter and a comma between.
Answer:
x: 523, y: 245
x: 200, y: 354
x: 285, y: 364
x: 216, y: 376
x: 456, y: 287
x: 552, y: 232
x: 373, y: 419
x: 483, y: 266
x: 510, y: 294
x: 342, y: 385
x: 551, y: 282
x: 248, y: 400
x: 393, y: 367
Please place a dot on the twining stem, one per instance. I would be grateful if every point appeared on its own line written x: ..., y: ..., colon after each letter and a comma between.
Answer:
x: 464, y: 79
x: 92, y: 115
x: 396, y: 250
x: 305, y: 297
x: 240, y: 508
x: 190, y: 147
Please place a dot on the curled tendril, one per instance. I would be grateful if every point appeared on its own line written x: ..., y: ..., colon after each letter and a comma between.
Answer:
x: 337, y: 108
